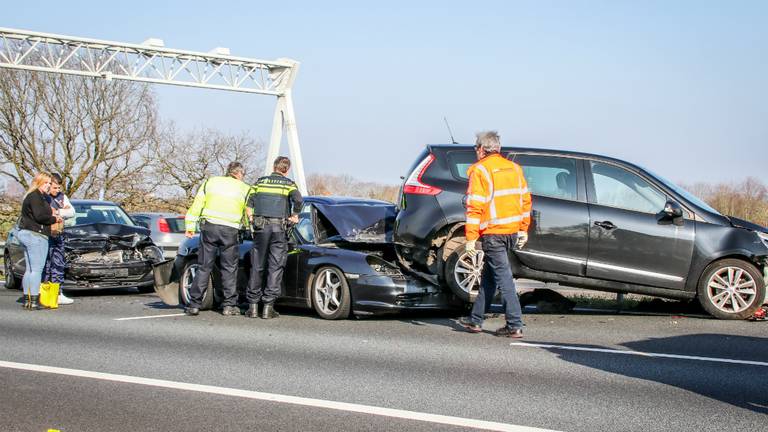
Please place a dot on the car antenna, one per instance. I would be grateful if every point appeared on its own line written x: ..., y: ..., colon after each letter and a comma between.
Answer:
x: 453, y: 141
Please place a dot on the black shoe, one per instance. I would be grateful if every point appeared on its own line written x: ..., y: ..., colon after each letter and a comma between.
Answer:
x: 269, y: 312
x: 230, y: 311
x: 253, y: 310
x: 192, y: 311
x: 510, y: 333
x: 470, y: 325
x: 32, y: 303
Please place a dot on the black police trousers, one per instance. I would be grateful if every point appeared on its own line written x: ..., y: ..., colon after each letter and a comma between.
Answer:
x: 270, y: 252
x: 224, y: 239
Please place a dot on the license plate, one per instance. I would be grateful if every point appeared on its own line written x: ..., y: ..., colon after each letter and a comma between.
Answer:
x: 110, y: 272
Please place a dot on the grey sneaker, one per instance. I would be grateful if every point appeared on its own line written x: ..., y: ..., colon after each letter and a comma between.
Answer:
x: 510, y: 333
x: 470, y: 325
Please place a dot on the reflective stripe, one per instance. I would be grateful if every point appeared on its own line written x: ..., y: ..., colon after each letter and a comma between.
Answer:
x: 500, y: 221
x: 526, y: 214
x: 479, y: 198
x: 473, y: 221
x: 487, y: 176
x: 502, y: 192
x: 223, y: 222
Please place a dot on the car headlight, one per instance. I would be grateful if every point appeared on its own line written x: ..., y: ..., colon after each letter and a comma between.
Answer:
x: 764, y: 237
x: 154, y: 253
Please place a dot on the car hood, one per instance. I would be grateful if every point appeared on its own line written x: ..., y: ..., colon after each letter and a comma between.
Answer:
x: 741, y: 223
x: 99, y: 235
x: 365, y: 222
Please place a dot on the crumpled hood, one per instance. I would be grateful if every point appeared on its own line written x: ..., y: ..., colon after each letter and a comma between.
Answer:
x: 364, y: 222
x: 96, y: 235
x: 741, y: 223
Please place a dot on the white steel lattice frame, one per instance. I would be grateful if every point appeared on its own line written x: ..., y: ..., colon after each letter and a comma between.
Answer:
x: 43, y: 52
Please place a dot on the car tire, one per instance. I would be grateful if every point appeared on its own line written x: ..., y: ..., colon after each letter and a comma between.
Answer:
x: 11, y: 281
x: 330, y: 294
x: 731, y: 289
x: 188, y: 272
x: 462, y: 272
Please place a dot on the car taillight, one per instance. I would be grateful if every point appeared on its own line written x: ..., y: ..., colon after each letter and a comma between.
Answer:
x: 414, y: 185
x: 162, y: 224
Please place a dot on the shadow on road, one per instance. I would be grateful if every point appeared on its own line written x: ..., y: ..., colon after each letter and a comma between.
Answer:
x: 741, y: 385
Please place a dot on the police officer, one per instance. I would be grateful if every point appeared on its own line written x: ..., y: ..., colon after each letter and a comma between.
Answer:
x: 275, y: 201
x: 219, y: 206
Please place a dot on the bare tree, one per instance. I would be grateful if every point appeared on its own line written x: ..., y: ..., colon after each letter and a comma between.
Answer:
x: 184, y: 161
x: 91, y: 131
x: 346, y: 185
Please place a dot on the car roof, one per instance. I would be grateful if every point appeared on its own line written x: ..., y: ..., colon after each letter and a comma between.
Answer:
x: 552, y: 152
x: 87, y: 201
x: 340, y: 200
x: 158, y: 214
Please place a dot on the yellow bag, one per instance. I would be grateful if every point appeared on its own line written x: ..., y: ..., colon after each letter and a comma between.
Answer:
x: 49, y: 295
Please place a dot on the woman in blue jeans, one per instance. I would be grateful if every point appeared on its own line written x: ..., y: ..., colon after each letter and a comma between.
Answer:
x: 37, y: 216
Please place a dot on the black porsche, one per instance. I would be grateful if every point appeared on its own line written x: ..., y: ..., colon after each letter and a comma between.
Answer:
x: 341, y: 260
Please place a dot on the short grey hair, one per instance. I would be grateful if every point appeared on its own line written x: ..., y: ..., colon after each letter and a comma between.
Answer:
x: 489, y: 141
x: 235, y: 168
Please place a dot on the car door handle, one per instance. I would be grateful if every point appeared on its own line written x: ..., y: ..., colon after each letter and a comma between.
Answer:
x: 605, y: 224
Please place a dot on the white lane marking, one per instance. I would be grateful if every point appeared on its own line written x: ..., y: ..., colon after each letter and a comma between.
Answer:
x: 272, y: 397
x: 639, y: 353
x: 148, y: 317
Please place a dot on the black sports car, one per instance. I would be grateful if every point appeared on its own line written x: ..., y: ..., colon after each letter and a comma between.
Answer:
x: 103, y: 248
x: 341, y: 260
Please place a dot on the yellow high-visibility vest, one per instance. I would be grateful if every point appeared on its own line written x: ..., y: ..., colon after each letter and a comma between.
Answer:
x: 221, y: 201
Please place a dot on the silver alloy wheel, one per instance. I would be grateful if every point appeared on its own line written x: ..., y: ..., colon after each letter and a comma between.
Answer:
x: 328, y: 291
x: 731, y: 289
x: 468, y: 271
x: 8, y: 272
x: 186, y: 282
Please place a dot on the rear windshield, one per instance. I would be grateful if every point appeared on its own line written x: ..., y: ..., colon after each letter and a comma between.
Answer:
x: 176, y: 224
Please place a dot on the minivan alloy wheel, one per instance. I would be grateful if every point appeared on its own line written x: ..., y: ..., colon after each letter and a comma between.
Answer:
x: 468, y: 271
x: 731, y: 289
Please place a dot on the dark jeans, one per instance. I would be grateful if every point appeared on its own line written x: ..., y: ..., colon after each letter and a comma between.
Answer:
x: 224, y: 240
x: 497, y: 275
x: 270, y: 252
x: 54, y: 265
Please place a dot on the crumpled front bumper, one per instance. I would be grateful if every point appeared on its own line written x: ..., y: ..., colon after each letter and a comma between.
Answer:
x: 99, y: 276
x: 166, y: 279
x: 380, y: 294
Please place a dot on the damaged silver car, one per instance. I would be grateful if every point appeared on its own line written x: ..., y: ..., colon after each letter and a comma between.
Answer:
x: 103, y: 246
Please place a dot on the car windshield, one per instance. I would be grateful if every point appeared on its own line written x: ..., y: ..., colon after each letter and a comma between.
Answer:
x: 684, y: 193
x: 98, y: 213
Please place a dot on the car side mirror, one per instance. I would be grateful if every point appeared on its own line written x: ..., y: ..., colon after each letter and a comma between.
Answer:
x: 672, y: 211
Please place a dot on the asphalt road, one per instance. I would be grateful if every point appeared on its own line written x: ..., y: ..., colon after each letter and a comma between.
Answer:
x: 79, y: 368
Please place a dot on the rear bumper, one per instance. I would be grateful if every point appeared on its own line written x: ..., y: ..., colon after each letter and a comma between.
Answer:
x: 381, y: 294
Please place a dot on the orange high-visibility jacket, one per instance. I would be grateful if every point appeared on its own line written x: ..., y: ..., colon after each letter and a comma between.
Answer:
x: 498, y: 201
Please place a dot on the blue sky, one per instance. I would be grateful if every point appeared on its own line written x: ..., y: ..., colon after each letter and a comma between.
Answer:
x: 679, y: 87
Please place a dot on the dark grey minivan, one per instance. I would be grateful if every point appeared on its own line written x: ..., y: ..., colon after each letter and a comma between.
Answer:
x: 597, y: 223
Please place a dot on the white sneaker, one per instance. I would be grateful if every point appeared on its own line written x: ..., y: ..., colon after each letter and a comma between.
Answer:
x: 64, y: 299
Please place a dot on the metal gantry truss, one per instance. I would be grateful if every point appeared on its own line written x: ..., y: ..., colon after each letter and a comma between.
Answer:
x: 150, y: 63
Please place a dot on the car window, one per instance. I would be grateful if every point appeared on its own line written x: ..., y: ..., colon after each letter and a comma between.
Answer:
x: 176, y: 224
x: 98, y: 213
x: 141, y: 220
x: 618, y: 187
x: 549, y: 176
x: 459, y: 162
x: 304, y: 227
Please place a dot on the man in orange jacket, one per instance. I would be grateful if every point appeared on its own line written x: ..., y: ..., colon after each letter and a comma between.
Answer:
x: 498, y: 213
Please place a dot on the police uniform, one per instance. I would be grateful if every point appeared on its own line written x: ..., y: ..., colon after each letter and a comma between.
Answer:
x: 274, y: 198
x: 219, y: 207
